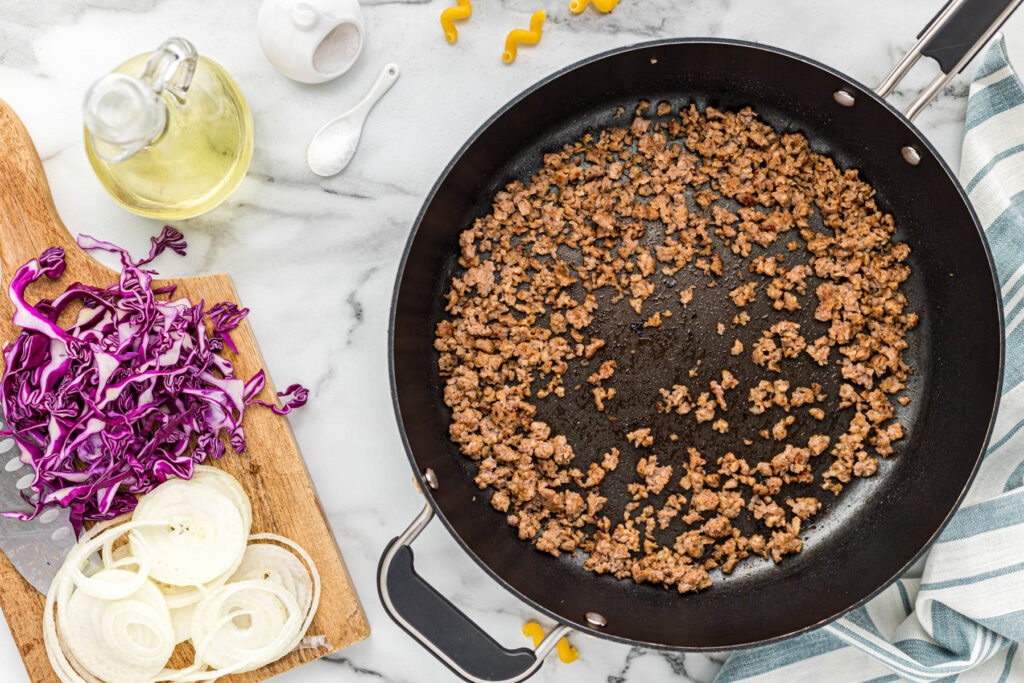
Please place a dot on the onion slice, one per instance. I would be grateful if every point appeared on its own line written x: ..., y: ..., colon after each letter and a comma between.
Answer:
x: 129, y: 639
x: 195, y: 532
x: 242, y: 606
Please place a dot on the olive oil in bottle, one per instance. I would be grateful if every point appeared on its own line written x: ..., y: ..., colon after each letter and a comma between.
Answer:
x: 168, y: 133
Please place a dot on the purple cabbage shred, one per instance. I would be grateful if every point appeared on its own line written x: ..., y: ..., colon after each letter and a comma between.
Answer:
x: 131, y: 393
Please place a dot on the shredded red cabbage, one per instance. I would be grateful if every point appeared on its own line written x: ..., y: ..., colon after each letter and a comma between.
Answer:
x: 130, y: 394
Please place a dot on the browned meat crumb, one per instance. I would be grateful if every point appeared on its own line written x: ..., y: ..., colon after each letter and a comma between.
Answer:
x: 779, y: 430
x: 801, y: 396
x: 720, y: 328
x: 743, y: 294
x: 677, y: 400
x: 640, y: 438
x: 718, y: 391
x: 601, y: 395
x: 610, y: 460
x: 818, y: 443
x: 521, y: 308
x: 804, y: 508
x: 705, y: 408
x: 767, y: 353
x: 606, y: 370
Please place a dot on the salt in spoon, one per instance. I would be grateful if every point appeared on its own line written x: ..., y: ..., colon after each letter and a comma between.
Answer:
x: 333, y: 146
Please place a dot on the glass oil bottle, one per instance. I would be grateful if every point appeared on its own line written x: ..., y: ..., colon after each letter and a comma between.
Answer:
x: 168, y: 133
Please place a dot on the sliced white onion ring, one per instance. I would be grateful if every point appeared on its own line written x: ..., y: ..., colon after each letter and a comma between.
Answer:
x: 245, y: 625
x: 201, y: 537
x: 222, y: 481
x: 267, y: 562
x: 129, y: 639
x: 82, y: 552
x: 181, y: 620
x: 180, y: 597
x: 115, y: 624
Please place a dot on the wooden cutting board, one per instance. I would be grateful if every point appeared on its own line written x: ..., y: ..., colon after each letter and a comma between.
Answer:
x: 271, y: 469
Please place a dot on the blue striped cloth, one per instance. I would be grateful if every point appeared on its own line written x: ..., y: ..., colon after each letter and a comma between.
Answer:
x: 963, y: 619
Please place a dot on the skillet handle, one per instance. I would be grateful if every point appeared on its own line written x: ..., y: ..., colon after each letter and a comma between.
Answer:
x: 952, y: 38
x: 968, y: 28
x: 441, y: 627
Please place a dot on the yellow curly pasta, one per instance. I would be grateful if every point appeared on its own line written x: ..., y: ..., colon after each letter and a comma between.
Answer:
x: 566, y: 652
x: 531, y: 37
x: 460, y: 11
x: 577, y: 6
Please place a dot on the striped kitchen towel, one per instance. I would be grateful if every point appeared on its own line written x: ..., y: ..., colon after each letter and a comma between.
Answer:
x: 963, y: 620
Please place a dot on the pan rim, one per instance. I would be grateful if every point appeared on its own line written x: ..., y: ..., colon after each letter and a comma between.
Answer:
x: 925, y: 146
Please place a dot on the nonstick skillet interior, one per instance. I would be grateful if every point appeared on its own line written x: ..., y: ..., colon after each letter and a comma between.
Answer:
x: 862, y: 539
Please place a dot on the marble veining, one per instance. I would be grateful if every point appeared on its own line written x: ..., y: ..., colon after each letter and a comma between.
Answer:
x: 315, y: 258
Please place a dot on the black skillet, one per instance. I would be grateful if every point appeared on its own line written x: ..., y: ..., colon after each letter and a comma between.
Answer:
x: 863, y: 539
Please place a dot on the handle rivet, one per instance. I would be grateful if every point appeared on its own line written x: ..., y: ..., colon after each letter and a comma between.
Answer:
x: 431, y: 478
x: 595, y: 619
x: 844, y: 98
x: 911, y: 155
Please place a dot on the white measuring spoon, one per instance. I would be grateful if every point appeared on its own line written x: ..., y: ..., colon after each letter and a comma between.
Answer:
x: 333, y: 146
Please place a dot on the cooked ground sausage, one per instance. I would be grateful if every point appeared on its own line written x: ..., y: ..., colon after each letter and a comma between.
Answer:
x: 520, y: 311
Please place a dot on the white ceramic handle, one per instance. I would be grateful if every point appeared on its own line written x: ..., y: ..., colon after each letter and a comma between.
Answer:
x: 384, y: 81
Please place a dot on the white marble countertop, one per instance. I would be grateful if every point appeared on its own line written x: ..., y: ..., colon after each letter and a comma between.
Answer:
x: 315, y: 258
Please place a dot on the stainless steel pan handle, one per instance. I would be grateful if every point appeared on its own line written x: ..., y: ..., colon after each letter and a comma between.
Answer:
x: 952, y: 38
x: 441, y: 627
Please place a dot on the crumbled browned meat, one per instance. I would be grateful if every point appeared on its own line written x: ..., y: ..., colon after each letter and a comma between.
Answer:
x: 761, y: 397
x: 601, y: 395
x: 606, y: 370
x: 677, y: 400
x: 718, y: 391
x: 767, y: 353
x: 801, y: 396
x: 883, y: 438
x: 819, y: 350
x: 785, y: 542
x: 655, y: 477
x: 743, y: 294
x: 610, y: 460
x: 640, y: 438
x: 521, y: 308
x: 654, y: 320
x: 779, y: 430
x: 818, y: 443
x: 705, y: 408
x: 804, y: 508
